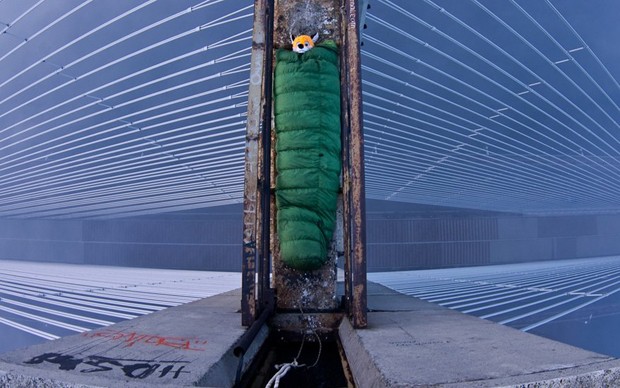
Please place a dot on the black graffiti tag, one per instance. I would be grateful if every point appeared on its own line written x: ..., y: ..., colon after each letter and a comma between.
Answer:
x: 99, y: 363
x: 168, y: 369
x: 135, y: 369
x: 64, y: 362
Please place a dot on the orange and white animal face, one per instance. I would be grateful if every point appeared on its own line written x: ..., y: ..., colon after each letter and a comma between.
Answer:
x: 303, y: 43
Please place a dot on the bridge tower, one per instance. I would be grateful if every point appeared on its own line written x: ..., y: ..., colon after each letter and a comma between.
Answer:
x: 270, y: 288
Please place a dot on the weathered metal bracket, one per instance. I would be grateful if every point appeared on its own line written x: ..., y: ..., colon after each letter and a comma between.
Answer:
x: 256, y: 257
x: 353, y: 169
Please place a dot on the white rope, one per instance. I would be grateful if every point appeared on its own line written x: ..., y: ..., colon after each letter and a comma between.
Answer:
x: 283, y: 369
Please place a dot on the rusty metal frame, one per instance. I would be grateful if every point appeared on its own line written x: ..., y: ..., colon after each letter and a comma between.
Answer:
x: 257, y: 229
x: 266, y: 295
x: 312, y: 290
x: 355, y: 212
x: 256, y: 297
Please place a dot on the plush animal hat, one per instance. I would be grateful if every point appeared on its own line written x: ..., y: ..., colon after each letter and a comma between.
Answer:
x: 303, y: 43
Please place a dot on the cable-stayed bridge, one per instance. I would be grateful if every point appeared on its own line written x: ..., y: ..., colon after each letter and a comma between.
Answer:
x: 572, y: 301
x: 47, y: 301
x: 138, y: 107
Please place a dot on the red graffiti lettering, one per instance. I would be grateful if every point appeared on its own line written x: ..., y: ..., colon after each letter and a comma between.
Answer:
x: 132, y: 338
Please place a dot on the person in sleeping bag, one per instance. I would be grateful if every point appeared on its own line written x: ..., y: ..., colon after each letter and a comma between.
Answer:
x: 308, y: 146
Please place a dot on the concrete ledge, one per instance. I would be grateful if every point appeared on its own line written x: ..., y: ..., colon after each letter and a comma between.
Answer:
x: 409, y: 343
x: 594, y: 375
x: 412, y: 343
x: 188, y: 345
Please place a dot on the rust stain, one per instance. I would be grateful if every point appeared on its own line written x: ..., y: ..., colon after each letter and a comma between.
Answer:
x: 358, y: 302
x: 251, y: 210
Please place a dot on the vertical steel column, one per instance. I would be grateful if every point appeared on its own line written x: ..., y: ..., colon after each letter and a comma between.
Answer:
x: 357, y: 305
x: 256, y: 188
x: 265, y: 294
x: 346, y: 180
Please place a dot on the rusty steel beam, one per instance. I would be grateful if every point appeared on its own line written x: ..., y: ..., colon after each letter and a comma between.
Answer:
x: 253, y: 212
x: 265, y: 292
x: 346, y: 186
x: 358, y: 302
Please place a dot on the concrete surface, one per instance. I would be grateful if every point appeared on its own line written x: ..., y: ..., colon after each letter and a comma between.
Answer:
x: 408, y: 343
x: 412, y: 343
x: 186, y: 345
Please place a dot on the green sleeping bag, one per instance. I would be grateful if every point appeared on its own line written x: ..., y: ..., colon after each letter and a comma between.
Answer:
x: 307, y: 124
